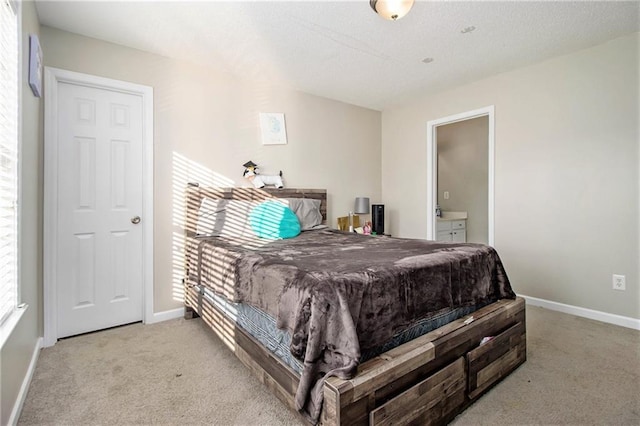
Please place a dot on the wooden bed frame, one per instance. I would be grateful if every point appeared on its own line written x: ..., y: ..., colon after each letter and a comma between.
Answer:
x: 428, y: 380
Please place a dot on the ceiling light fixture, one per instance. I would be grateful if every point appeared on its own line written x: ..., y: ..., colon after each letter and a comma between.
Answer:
x: 391, y: 9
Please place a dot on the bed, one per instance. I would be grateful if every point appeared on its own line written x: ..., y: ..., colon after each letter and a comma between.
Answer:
x: 341, y: 327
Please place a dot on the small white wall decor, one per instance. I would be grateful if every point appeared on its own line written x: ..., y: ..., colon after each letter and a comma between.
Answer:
x: 35, y: 65
x: 273, y: 128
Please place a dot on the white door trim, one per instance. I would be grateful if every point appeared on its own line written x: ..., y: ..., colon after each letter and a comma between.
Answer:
x: 432, y: 171
x: 52, y: 77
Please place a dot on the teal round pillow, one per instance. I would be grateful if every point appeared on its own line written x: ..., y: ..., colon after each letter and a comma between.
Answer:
x: 274, y: 220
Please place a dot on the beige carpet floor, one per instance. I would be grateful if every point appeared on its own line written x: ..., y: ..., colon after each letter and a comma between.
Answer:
x: 178, y: 372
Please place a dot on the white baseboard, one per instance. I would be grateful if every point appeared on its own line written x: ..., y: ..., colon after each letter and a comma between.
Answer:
x: 22, y: 395
x: 584, y: 312
x: 167, y: 315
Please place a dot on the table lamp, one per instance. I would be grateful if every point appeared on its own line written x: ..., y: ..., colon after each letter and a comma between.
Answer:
x: 362, y: 205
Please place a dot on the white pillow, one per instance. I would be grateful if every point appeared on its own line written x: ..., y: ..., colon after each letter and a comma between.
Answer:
x: 225, y: 217
x: 307, y: 210
x: 207, y: 217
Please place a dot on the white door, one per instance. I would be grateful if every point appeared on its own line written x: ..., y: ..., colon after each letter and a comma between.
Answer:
x: 99, y: 267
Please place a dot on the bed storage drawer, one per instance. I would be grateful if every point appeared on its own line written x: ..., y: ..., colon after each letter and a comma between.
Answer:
x: 428, y: 402
x: 495, y: 359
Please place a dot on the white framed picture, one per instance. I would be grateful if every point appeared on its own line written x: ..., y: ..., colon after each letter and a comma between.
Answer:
x: 35, y: 65
x: 273, y: 128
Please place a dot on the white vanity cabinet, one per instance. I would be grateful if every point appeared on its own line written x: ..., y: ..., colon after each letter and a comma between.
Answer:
x: 454, y: 230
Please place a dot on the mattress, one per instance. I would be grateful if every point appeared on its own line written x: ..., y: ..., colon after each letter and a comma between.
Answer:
x: 262, y: 327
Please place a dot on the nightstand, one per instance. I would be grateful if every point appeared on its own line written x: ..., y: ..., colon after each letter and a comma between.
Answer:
x: 343, y: 222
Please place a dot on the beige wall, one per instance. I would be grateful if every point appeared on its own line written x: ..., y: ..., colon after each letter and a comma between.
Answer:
x: 463, y: 171
x: 16, y: 353
x: 566, y: 207
x: 206, y: 127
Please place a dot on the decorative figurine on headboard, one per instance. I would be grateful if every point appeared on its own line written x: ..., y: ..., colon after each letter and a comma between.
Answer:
x: 258, y: 180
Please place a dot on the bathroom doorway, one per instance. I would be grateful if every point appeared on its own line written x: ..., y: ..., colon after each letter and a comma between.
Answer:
x: 460, y: 171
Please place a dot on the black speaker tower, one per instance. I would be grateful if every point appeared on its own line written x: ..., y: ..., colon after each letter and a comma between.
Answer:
x: 377, y: 218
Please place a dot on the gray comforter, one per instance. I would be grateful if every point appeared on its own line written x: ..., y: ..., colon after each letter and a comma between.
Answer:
x: 338, y: 293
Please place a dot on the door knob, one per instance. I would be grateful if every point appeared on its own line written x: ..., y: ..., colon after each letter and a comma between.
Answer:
x: 135, y: 220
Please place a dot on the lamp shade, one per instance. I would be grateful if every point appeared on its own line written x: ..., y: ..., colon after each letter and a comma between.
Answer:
x: 362, y: 205
x: 391, y: 9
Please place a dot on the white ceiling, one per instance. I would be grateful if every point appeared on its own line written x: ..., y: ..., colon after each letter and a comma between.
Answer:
x: 343, y: 50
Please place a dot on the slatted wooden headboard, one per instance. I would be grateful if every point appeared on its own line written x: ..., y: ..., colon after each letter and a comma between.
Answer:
x: 195, y: 194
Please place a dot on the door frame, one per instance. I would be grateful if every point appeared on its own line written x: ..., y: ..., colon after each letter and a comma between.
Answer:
x: 53, y: 76
x: 432, y: 166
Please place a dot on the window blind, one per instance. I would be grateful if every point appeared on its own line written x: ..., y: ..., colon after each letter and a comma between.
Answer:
x: 9, y: 107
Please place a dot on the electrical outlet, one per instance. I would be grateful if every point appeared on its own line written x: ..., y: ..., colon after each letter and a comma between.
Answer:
x: 619, y: 282
x: 446, y: 195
